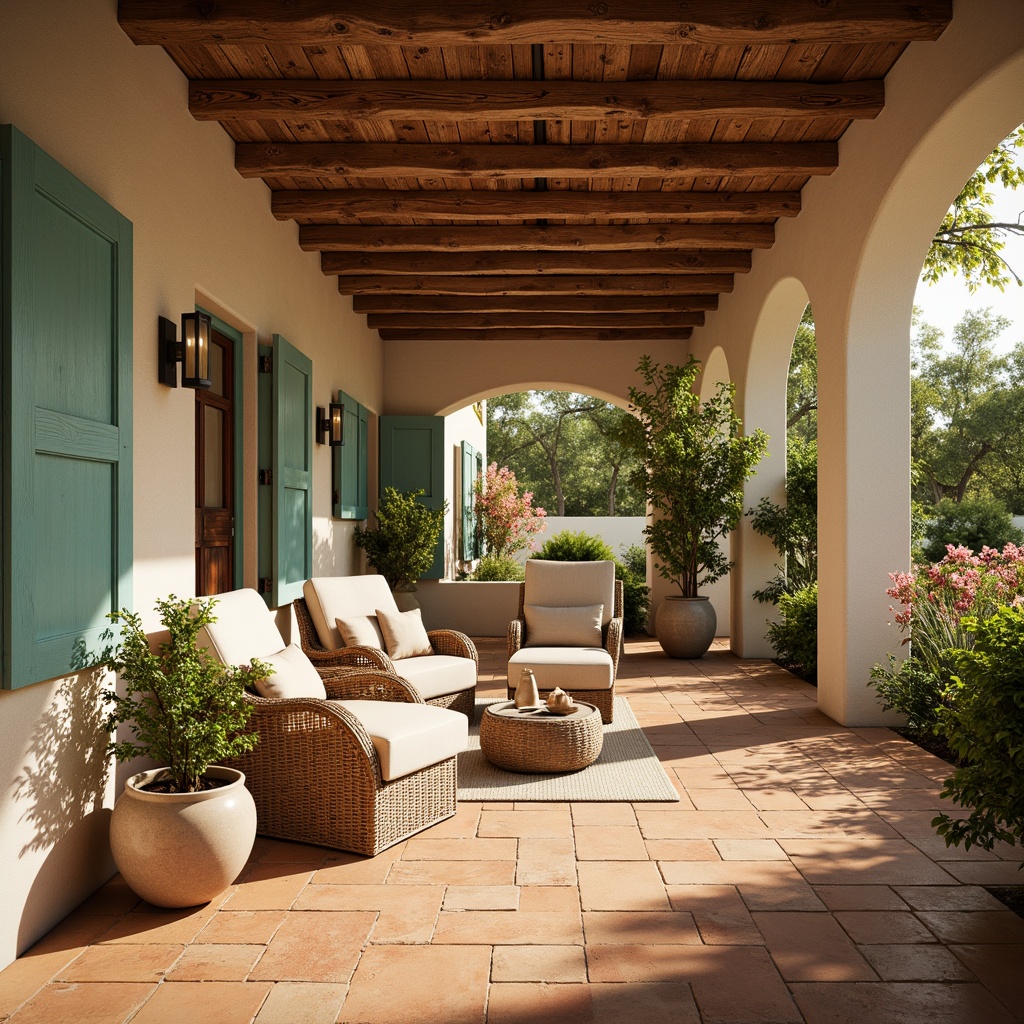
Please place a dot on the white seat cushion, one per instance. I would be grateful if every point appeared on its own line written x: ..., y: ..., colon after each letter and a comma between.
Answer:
x: 330, y: 598
x: 571, y: 668
x: 408, y: 737
x: 438, y: 674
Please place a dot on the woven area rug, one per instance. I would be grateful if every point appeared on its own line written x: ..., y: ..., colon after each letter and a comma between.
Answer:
x: 626, y: 770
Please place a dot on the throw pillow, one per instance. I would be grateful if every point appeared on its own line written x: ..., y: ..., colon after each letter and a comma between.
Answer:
x: 293, y: 676
x: 361, y: 631
x: 404, y: 635
x: 563, y: 627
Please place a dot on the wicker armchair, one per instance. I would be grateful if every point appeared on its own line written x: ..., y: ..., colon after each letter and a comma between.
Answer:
x: 586, y: 672
x: 443, y: 684
x: 317, y: 773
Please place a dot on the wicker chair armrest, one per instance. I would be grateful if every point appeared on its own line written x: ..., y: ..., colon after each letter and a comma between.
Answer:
x: 516, y: 635
x: 353, y: 684
x: 352, y: 657
x: 454, y: 643
x: 613, y: 643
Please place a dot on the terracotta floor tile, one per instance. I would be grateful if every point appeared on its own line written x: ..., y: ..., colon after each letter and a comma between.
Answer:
x: 898, y: 1003
x: 750, y: 849
x: 859, y: 897
x: 269, y: 887
x: 98, y: 1003
x: 299, y: 1002
x: 296, y: 855
x: 764, y: 885
x: 701, y: 825
x: 622, y: 885
x: 876, y: 927
x: 406, y: 913
x: 999, y: 969
x: 602, y: 814
x: 721, y: 916
x: 545, y: 862
x: 443, y: 872
x: 652, y: 1003
x: 113, y: 898
x: 460, y: 849
x: 609, y: 842
x: 948, y: 897
x: 526, y: 824
x: 682, y: 849
x: 221, y: 1002
x: 915, y: 962
x: 396, y: 985
x: 481, y: 897
x: 994, y: 872
x: 539, y: 1003
x: 323, y: 946
x: 674, y: 927
x: 174, y: 926
x: 539, y: 963
x: 147, y: 963
x: 876, y: 862
x: 720, y: 799
x: 462, y: 826
x: 212, y: 962
x: 838, y: 823
x: 811, y: 947
x: 549, y: 898
x: 351, y: 869
x: 247, y: 926
x: 974, y: 927
x: 499, y: 927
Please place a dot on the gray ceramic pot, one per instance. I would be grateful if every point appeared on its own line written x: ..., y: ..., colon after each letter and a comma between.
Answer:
x: 685, y: 626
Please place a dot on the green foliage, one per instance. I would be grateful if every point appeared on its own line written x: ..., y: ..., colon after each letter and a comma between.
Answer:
x: 802, y: 382
x: 634, y: 558
x: 968, y: 241
x: 505, y: 519
x: 983, y: 722
x: 493, y: 569
x: 570, y: 546
x: 401, y: 548
x: 912, y: 688
x: 187, y: 709
x: 693, y: 464
x: 974, y: 523
x: 795, y: 637
x: 792, y: 528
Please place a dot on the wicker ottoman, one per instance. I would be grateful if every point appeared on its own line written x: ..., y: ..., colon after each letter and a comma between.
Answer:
x: 521, y: 740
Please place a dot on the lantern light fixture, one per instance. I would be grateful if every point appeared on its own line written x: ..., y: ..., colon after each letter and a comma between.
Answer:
x: 193, y: 351
x: 330, y: 427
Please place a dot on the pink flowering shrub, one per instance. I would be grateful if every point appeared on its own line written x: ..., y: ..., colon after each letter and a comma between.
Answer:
x: 505, y: 519
x: 935, y: 602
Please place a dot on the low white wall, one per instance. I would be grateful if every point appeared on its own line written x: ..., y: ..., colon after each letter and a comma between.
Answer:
x: 478, y: 609
x: 617, y: 531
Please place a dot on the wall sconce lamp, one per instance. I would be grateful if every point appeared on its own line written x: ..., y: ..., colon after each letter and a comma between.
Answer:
x: 330, y: 428
x: 193, y: 351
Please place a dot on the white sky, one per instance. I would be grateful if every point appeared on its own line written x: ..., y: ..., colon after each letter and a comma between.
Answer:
x: 944, y: 303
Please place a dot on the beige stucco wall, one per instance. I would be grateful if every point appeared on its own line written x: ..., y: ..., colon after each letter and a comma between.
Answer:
x: 116, y: 115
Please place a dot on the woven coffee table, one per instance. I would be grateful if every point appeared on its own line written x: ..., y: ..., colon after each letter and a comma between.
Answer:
x: 522, y: 740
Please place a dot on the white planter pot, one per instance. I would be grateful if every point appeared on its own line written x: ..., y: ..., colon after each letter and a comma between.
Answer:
x: 685, y: 626
x: 180, y: 849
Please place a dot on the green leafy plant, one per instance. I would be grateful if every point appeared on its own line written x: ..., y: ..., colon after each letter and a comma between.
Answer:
x: 186, y: 709
x: 976, y: 522
x: 795, y: 636
x: 575, y: 546
x: 497, y: 570
x: 694, y: 462
x: 401, y: 547
x: 982, y: 720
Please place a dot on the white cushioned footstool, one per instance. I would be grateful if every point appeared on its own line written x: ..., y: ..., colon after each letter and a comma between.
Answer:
x: 569, y: 630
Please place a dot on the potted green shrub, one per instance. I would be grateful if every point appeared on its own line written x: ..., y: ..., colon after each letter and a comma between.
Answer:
x: 180, y: 833
x: 694, y: 461
x: 401, y: 547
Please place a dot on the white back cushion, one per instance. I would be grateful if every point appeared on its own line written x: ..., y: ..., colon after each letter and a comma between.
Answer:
x: 571, y: 584
x: 330, y: 598
x: 293, y: 676
x: 563, y: 627
x: 245, y: 629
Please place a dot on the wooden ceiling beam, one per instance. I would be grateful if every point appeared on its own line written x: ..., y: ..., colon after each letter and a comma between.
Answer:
x: 231, y: 100
x: 533, y: 284
x: 484, y: 162
x: 533, y: 303
x: 516, y: 206
x: 632, y: 262
x: 479, y: 22
x: 534, y: 238
x: 572, y: 320
x: 526, y: 335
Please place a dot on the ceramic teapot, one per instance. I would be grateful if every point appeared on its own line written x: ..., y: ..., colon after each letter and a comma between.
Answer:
x: 558, y: 698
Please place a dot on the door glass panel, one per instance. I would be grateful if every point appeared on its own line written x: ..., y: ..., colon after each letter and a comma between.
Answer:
x: 213, y: 462
x: 217, y: 369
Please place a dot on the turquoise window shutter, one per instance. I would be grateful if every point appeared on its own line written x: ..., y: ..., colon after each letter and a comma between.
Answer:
x: 468, y: 540
x: 351, y: 462
x: 67, y: 415
x: 285, y: 452
x: 412, y: 459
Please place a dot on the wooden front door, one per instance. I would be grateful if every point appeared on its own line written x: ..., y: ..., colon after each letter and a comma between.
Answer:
x: 215, y: 474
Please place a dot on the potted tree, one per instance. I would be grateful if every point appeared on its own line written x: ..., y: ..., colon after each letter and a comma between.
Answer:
x: 180, y: 833
x: 401, y: 548
x: 693, y: 463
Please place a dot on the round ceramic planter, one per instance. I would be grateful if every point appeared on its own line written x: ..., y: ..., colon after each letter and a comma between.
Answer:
x: 685, y: 626
x: 181, y: 849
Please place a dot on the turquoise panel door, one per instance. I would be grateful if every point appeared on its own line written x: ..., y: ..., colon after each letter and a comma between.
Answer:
x: 350, y: 462
x: 412, y: 459
x: 468, y: 546
x: 67, y: 415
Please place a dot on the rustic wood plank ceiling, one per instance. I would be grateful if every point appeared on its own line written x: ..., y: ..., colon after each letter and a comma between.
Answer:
x: 591, y: 171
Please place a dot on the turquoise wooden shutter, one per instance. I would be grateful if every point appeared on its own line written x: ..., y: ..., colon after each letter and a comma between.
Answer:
x: 468, y: 544
x: 286, y: 477
x: 412, y: 459
x: 67, y: 415
x: 351, y: 462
